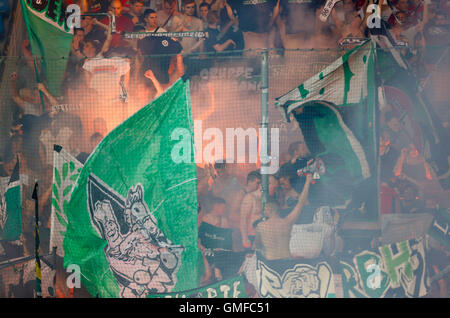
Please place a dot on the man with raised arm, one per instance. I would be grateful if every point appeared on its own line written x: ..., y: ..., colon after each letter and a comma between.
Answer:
x: 273, y: 233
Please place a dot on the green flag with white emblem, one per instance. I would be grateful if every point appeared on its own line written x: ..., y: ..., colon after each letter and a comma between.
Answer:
x: 132, y: 215
x: 336, y: 111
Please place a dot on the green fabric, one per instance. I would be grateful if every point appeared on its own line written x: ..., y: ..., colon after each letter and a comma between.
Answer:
x: 10, y: 207
x: 338, y: 139
x: 343, y: 82
x: 137, y: 155
x: 50, y: 41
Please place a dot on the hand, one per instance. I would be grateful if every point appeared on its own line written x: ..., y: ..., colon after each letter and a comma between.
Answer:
x: 309, y: 177
x: 41, y: 87
x: 149, y: 74
x: 232, y: 43
x: 246, y: 243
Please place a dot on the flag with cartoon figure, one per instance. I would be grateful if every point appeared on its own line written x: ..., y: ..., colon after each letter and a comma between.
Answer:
x: 132, y: 216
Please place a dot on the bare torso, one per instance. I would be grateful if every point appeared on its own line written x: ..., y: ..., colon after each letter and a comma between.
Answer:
x: 275, y: 234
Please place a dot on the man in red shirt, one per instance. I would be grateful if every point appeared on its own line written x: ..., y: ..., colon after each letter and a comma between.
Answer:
x: 123, y: 24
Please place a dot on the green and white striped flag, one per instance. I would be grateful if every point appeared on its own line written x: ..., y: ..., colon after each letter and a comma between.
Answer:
x: 345, y: 81
x: 66, y: 170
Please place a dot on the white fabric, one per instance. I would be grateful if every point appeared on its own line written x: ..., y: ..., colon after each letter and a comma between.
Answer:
x: 106, y: 74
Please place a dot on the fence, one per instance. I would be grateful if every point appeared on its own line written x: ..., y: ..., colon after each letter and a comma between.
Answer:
x: 225, y: 93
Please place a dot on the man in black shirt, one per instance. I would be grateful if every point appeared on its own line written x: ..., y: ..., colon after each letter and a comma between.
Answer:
x: 156, y: 46
x: 300, y: 156
x: 136, y: 13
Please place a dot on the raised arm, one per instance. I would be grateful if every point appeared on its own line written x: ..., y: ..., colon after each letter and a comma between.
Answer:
x: 149, y: 74
x: 399, y: 164
x: 53, y: 101
x: 107, y: 43
x: 275, y: 13
x: 293, y: 216
x: 15, y: 93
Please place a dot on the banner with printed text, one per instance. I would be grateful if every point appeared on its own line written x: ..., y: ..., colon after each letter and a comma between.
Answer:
x: 392, y: 271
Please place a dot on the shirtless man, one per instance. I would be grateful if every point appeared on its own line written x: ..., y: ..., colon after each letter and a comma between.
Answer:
x: 274, y: 233
x: 251, y: 211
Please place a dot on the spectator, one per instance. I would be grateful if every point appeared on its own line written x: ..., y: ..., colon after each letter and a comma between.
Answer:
x: 212, y: 44
x: 159, y: 90
x: 256, y: 20
x: 234, y: 217
x: 104, y: 6
x: 93, y: 29
x: 101, y: 74
x: 274, y: 232
x: 4, y: 12
x: 94, y: 140
x: 399, y: 138
x: 166, y: 14
x: 410, y: 201
x: 123, y: 24
x: 415, y: 11
x: 75, y: 56
x: 213, y: 5
x: 33, y: 122
x: 136, y: 13
x: 388, y: 157
x: 13, y: 150
x: 225, y: 185
x: 151, y: 22
x: 437, y: 37
x: 326, y: 34
x: 298, y: 18
x: 229, y: 26
x: 100, y: 126
x: 216, y: 218
x: 412, y: 167
x: 188, y: 22
x: 253, y: 184
x: 203, y: 10
x: 250, y: 212
x: 349, y: 23
x: 159, y: 65
x: 286, y: 196
x: 389, y: 198
x: 300, y: 156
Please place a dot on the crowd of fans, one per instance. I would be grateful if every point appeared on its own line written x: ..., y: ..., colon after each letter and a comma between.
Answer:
x: 112, y: 67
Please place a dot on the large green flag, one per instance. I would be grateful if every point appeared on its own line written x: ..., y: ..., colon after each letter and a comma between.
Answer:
x: 336, y: 113
x: 50, y: 38
x: 132, y: 216
x: 11, y: 206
